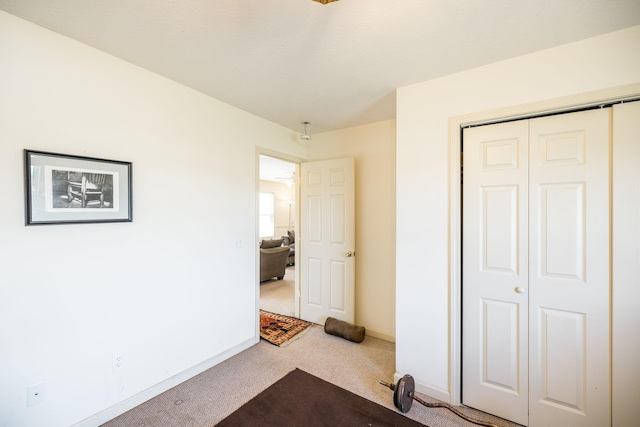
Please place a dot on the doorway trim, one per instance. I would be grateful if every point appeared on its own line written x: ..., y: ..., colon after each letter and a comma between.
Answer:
x: 456, y: 123
x: 296, y: 221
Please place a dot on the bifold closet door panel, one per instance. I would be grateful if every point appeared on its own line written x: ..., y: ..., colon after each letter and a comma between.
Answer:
x: 626, y: 264
x: 495, y: 270
x: 569, y: 202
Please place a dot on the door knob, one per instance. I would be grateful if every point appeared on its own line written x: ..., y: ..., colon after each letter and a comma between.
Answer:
x: 348, y: 254
x: 520, y: 290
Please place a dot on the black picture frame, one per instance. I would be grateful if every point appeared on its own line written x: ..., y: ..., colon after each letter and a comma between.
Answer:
x: 69, y: 189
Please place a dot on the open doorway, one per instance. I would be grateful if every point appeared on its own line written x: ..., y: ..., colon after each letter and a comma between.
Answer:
x: 277, y: 232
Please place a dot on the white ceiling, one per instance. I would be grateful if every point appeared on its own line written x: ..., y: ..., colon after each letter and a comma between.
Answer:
x: 335, y: 65
x: 272, y: 169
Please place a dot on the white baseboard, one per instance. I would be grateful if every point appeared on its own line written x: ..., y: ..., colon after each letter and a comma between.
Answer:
x: 137, y: 399
x: 380, y: 335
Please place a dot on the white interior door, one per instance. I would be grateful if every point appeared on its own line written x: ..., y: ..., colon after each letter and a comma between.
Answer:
x: 495, y: 273
x: 327, y: 240
x: 556, y: 285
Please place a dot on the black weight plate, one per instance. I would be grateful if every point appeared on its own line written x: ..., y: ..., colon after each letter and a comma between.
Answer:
x: 403, y: 394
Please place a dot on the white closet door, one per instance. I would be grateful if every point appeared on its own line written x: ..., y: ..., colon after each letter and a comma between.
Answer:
x: 626, y: 264
x: 569, y: 356
x: 495, y: 273
x: 536, y: 270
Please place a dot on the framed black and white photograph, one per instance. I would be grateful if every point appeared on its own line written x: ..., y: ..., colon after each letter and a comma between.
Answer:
x: 64, y: 189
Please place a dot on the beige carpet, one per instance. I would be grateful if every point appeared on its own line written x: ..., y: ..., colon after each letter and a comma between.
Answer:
x: 277, y: 296
x: 209, y: 397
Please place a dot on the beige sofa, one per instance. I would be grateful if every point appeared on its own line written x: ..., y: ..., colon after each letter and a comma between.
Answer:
x: 273, y: 260
x: 290, y: 240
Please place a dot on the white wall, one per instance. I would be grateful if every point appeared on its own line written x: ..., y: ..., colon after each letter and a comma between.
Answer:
x: 373, y: 148
x: 425, y: 347
x: 155, y: 290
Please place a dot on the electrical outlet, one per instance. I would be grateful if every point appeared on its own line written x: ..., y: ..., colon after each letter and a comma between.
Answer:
x: 117, y: 363
x: 35, y: 394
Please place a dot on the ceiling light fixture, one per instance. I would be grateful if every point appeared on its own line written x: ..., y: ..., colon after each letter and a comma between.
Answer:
x: 325, y: 1
x: 305, y: 136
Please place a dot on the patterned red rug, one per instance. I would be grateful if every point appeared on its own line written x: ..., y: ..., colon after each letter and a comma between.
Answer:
x: 278, y: 329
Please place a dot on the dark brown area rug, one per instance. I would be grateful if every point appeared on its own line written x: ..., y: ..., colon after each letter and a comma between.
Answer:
x: 300, y: 399
x: 278, y: 329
